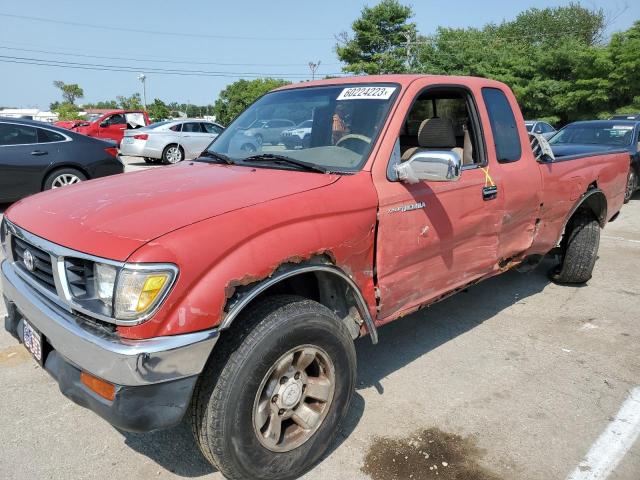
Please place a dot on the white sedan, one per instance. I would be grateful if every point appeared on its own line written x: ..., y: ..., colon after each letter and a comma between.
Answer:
x: 171, y: 141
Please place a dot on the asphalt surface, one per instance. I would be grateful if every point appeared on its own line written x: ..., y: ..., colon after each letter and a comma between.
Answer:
x: 514, y: 379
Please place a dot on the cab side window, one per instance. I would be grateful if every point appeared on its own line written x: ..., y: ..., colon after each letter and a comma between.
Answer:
x: 503, y: 125
x: 443, y: 119
x: 116, y: 119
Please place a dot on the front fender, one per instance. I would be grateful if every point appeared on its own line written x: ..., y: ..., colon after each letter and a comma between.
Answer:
x: 245, y: 246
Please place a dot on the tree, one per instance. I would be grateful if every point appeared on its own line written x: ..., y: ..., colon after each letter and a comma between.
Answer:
x: 103, y: 104
x: 67, y: 111
x: 158, y: 110
x: 625, y: 62
x: 240, y: 94
x: 551, y: 58
x: 379, y: 43
x: 134, y: 102
x: 70, y: 91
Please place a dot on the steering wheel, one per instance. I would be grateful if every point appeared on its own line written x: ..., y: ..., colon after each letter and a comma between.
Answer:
x: 354, y: 142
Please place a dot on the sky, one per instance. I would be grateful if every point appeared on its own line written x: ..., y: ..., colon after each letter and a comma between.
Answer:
x: 227, y: 40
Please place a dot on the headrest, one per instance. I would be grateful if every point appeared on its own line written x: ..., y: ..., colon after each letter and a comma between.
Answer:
x: 436, y: 133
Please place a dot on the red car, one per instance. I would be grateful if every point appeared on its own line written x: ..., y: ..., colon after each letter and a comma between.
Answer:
x: 232, y: 287
x: 110, y: 125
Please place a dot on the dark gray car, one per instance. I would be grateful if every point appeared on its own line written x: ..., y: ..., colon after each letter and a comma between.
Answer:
x: 36, y: 156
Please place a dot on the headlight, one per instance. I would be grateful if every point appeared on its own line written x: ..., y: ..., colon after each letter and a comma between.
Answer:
x: 133, y: 291
x: 138, y: 291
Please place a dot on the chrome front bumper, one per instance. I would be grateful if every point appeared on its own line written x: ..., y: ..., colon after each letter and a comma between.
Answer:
x: 104, y: 354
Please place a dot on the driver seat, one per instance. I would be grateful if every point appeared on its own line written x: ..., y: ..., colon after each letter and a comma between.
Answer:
x: 434, y: 134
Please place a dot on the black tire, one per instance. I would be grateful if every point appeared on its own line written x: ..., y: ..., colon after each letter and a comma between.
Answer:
x: 168, y: 159
x: 54, y: 178
x: 223, y: 401
x: 632, y: 185
x: 580, y: 250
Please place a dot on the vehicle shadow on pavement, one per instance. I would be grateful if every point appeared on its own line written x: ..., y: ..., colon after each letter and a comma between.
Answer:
x: 409, y: 338
x: 175, y: 449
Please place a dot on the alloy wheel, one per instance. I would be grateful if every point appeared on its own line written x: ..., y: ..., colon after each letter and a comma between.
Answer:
x: 64, y: 180
x: 294, y: 398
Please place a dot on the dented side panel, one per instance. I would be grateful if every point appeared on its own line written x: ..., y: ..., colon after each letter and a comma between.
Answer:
x: 247, y: 245
x: 565, y: 182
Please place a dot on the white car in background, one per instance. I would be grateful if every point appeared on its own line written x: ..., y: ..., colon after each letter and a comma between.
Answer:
x: 297, y: 136
x: 170, y: 141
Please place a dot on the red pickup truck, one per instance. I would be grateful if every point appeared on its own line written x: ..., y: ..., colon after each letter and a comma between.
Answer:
x: 230, y: 289
x: 109, y: 125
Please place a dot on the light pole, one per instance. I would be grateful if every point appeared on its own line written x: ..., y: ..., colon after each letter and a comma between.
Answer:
x: 313, y: 67
x: 142, y: 77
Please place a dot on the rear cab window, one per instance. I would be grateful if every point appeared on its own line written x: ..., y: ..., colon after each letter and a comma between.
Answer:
x: 503, y: 125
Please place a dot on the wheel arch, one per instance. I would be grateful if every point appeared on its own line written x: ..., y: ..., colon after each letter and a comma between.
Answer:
x: 593, y: 201
x: 317, y: 279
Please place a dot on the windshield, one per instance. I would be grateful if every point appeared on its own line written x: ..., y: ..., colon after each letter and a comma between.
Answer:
x: 607, y: 134
x: 345, y: 122
x: 92, y: 117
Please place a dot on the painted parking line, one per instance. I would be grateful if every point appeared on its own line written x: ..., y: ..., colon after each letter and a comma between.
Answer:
x: 621, y: 239
x: 613, y: 443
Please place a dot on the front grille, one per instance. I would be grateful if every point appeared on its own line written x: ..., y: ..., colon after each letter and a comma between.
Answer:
x: 41, y: 271
x: 80, y: 277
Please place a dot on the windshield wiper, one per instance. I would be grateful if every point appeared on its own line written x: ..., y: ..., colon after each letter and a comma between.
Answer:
x: 272, y: 157
x: 218, y: 156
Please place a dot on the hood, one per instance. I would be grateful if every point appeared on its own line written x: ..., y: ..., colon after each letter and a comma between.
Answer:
x: 114, y: 216
x: 566, y: 149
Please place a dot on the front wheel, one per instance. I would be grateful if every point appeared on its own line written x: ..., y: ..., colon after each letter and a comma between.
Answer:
x: 632, y: 185
x: 269, y: 403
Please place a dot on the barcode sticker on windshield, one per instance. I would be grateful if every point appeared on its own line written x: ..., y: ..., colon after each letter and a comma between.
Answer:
x: 366, y: 93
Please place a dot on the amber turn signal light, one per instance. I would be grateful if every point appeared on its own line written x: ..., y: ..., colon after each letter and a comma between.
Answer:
x: 101, y: 387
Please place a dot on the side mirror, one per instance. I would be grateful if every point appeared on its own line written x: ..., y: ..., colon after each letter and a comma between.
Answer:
x: 104, y: 124
x: 431, y: 165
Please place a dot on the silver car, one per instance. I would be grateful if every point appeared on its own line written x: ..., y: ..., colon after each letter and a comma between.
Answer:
x: 541, y: 128
x: 171, y: 141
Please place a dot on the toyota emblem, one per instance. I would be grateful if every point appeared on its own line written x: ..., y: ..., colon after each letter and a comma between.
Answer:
x: 29, y: 261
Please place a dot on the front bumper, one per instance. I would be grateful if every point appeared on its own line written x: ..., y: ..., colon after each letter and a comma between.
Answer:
x: 154, y: 378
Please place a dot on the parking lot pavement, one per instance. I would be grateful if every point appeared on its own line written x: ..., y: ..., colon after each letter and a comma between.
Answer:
x: 514, y: 379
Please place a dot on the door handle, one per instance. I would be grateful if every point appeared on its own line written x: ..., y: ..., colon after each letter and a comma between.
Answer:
x: 489, y: 193
x: 38, y: 153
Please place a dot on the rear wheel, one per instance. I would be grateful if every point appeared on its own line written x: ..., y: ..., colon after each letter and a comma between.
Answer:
x: 269, y: 403
x: 63, y: 177
x: 172, y: 154
x: 580, y: 248
x: 632, y: 185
